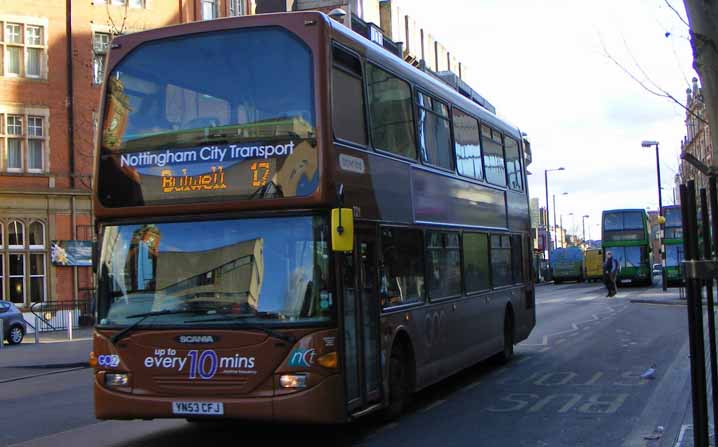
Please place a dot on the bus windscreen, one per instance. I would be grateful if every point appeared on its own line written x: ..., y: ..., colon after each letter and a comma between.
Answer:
x: 217, y: 116
x: 251, y: 271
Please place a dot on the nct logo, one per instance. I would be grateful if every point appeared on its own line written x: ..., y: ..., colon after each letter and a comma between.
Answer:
x: 303, y: 357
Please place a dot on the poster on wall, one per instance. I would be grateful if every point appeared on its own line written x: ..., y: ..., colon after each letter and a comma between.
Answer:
x: 71, y: 253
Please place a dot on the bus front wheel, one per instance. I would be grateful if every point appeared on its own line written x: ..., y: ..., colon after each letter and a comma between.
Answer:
x: 398, y: 384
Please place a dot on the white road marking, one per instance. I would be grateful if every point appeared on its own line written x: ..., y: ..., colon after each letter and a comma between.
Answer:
x: 553, y: 300
x: 470, y: 386
x: 587, y: 298
x: 682, y: 434
x: 434, y: 405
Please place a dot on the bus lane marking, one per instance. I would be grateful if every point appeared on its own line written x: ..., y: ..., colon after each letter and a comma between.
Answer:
x: 601, y: 403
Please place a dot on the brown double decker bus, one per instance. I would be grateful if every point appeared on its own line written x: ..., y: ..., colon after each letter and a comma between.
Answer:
x: 296, y: 225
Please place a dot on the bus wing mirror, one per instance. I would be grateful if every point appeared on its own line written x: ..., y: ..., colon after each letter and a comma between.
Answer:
x: 342, y: 229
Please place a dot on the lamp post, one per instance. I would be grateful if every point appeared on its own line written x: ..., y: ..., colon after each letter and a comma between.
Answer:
x: 545, y: 179
x: 555, y: 229
x: 661, y: 219
x: 583, y: 224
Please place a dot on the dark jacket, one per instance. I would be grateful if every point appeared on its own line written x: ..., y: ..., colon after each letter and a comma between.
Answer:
x: 611, y: 265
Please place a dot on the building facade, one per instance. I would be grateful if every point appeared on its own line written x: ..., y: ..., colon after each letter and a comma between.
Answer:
x: 697, y: 141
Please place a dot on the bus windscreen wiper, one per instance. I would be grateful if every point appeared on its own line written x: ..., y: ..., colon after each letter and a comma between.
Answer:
x: 143, y: 316
x: 272, y: 333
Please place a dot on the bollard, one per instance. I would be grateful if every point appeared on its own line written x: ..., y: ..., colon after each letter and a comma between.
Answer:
x: 2, y: 333
x: 69, y: 324
x: 37, y: 329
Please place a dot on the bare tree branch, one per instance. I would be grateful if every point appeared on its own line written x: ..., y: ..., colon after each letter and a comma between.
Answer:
x: 685, y: 22
x: 653, y: 89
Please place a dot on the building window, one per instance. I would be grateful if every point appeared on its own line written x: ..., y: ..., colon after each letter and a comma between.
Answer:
x: 236, y: 7
x: 16, y: 278
x: 25, y: 143
x: 35, y: 142
x: 37, y: 236
x: 100, y: 45
x: 390, y: 109
x: 467, y: 145
x: 137, y: 3
x: 37, y: 277
x: 26, y: 258
x: 443, y: 259
x: 402, y: 267
x: 23, y: 50
x: 209, y: 9
x: 348, y: 112
x: 434, y: 134
x: 16, y: 235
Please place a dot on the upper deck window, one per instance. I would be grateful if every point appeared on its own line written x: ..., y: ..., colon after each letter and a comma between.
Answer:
x: 434, y: 134
x: 232, y: 118
x: 348, y: 111
x: 493, y: 156
x: 392, y: 120
x: 467, y: 145
x: 622, y: 220
x: 513, y: 164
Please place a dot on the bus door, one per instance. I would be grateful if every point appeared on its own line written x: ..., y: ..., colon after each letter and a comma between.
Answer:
x: 361, y: 322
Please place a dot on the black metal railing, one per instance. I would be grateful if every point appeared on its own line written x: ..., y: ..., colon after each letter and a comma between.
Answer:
x: 700, y: 271
x: 59, y: 315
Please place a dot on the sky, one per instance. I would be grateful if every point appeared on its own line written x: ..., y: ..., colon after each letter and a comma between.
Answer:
x: 541, y: 63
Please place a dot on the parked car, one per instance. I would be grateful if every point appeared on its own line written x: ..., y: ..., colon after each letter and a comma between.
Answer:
x: 14, y: 326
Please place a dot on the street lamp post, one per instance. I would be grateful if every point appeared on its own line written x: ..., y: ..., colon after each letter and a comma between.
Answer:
x: 545, y: 178
x: 555, y: 229
x: 583, y: 224
x: 661, y: 219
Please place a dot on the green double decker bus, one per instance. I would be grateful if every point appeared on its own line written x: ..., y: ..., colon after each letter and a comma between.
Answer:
x: 673, y: 242
x: 625, y: 234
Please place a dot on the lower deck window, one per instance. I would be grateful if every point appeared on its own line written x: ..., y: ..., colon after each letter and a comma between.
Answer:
x: 443, y: 260
x: 402, y: 267
x: 500, y: 260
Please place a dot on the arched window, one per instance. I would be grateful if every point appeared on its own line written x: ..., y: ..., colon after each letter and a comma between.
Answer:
x: 37, y: 236
x: 16, y: 235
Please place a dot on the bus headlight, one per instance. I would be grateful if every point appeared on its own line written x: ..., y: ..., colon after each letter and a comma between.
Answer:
x: 116, y: 380
x: 293, y: 381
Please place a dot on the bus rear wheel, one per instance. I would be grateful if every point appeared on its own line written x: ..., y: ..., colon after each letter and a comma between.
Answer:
x: 507, y: 354
x: 398, y: 385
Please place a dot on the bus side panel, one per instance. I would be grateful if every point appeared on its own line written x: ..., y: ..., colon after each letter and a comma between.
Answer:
x: 379, y: 186
x: 518, y: 211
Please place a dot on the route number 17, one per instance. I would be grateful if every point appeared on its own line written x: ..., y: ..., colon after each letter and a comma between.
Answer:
x: 260, y: 173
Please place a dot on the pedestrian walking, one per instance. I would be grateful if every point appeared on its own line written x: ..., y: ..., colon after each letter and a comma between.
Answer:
x: 610, y: 272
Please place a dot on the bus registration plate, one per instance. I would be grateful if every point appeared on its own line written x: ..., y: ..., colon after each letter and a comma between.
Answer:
x: 204, y: 408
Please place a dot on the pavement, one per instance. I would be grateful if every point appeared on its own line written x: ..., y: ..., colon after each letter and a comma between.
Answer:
x: 55, y: 353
